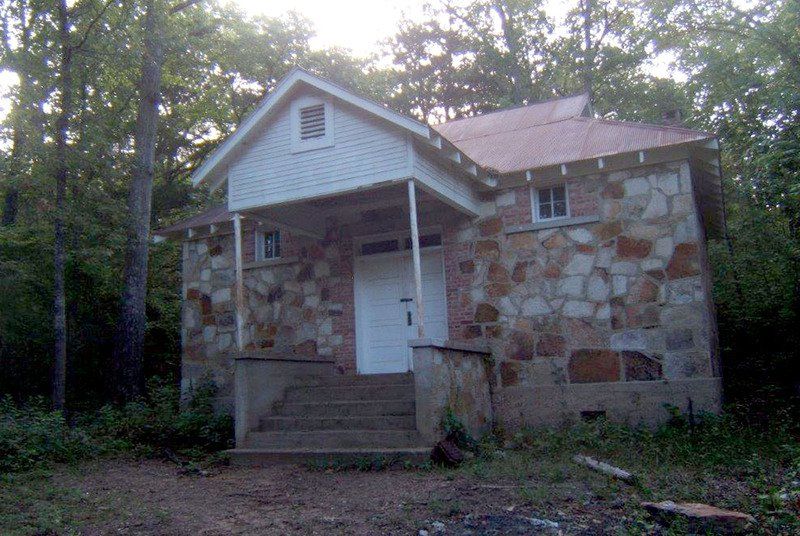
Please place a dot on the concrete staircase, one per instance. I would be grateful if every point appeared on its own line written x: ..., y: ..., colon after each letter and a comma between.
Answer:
x: 338, y: 418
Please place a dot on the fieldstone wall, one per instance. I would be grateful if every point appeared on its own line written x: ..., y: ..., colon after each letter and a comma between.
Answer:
x: 300, y: 305
x: 610, y: 313
x: 622, y: 299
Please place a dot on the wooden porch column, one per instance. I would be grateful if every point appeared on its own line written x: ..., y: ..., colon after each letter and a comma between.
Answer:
x: 412, y: 211
x: 239, y: 284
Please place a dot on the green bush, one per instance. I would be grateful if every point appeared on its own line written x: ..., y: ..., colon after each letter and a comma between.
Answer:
x: 32, y: 434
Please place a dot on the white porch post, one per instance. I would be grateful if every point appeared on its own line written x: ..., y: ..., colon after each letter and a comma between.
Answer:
x: 239, y: 285
x: 412, y: 206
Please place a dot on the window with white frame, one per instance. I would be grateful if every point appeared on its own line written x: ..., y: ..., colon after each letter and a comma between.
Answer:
x: 268, y: 245
x: 312, y: 124
x: 550, y: 203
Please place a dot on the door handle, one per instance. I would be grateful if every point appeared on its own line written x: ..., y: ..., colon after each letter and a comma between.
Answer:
x: 406, y: 300
x: 408, y: 317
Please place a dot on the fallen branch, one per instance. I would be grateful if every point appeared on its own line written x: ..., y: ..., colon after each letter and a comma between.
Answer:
x: 605, y: 468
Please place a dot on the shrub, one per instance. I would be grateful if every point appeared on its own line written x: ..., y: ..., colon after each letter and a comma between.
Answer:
x: 32, y: 434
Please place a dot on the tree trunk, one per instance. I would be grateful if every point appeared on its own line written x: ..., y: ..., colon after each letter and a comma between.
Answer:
x: 10, y: 206
x: 129, y: 342
x: 59, y: 245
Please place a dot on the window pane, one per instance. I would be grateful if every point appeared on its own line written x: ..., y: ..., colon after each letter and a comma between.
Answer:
x: 559, y: 209
x: 426, y: 241
x: 272, y: 245
x: 545, y: 212
x: 384, y: 246
x: 544, y: 195
x: 559, y: 193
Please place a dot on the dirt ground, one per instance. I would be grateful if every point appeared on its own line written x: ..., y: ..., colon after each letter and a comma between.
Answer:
x: 152, y: 497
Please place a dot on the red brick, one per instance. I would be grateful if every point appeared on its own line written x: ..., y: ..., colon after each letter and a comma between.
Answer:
x: 521, y: 346
x: 593, y: 366
x: 607, y: 230
x: 509, y: 373
x: 490, y: 227
x: 486, y: 312
x: 613, y: 190
x: 685, y: 261
x: 639, y: 367
x: 487, y: 249
x: 550, y: 345
x: 642, y: 316
x: 555, y: 241
x: 631, y: 248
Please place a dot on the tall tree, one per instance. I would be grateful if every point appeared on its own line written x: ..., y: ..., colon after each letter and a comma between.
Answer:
x: 60, y: 174
x: 129, y: 344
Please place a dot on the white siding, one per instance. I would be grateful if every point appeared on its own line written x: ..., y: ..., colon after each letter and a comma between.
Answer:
x: 451, y: 186
x: 366, y: 150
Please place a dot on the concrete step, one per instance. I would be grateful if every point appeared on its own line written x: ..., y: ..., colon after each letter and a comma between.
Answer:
x: 312, y: 422
x: 356, y: 379
x: 333, y: 439
x: 347, y: 408
x: 323, y: 393
x: 254, y: 457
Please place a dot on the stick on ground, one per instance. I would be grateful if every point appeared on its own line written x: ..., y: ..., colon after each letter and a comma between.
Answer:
x: 605, y: 468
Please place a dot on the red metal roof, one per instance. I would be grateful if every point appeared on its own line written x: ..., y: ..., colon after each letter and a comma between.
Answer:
x: 554, y: 132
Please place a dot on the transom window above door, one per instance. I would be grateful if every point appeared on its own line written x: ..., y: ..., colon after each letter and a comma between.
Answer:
x: 550, y: 203
x: 399, y: 242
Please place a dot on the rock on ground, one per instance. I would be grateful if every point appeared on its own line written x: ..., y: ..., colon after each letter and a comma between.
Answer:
x: 700, y: 518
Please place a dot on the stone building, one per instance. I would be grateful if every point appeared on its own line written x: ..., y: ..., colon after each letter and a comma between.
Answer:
x: 529, y: 266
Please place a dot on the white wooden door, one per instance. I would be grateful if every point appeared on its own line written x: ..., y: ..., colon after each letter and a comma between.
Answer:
x: 386, y: 315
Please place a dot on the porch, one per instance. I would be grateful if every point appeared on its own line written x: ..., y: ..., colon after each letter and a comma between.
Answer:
x: 342, y: 340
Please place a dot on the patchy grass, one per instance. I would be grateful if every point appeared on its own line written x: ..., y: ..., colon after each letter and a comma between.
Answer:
x: 718, y: 462
x: 32, y: 503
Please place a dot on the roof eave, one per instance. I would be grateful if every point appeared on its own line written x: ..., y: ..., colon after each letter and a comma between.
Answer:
x: 210, y: 167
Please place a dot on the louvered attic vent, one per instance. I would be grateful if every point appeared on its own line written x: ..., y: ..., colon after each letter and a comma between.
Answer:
x: 312, y: 122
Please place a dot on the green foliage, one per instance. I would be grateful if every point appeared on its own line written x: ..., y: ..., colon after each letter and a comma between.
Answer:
x: 732, y: 67
x: 32, y: 434
x: 455, y: 430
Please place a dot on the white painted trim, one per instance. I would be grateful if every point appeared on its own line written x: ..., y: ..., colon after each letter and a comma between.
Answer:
x: 211, y: 165
x: 239, y: 284
x: 283, y: 226
x: 551, y: 224
x: 298, y: 145
x: 534, y: 192
x: 415, y: 255
x: 401, y: 235
x: 358, y: 294
x: 260, y: 237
